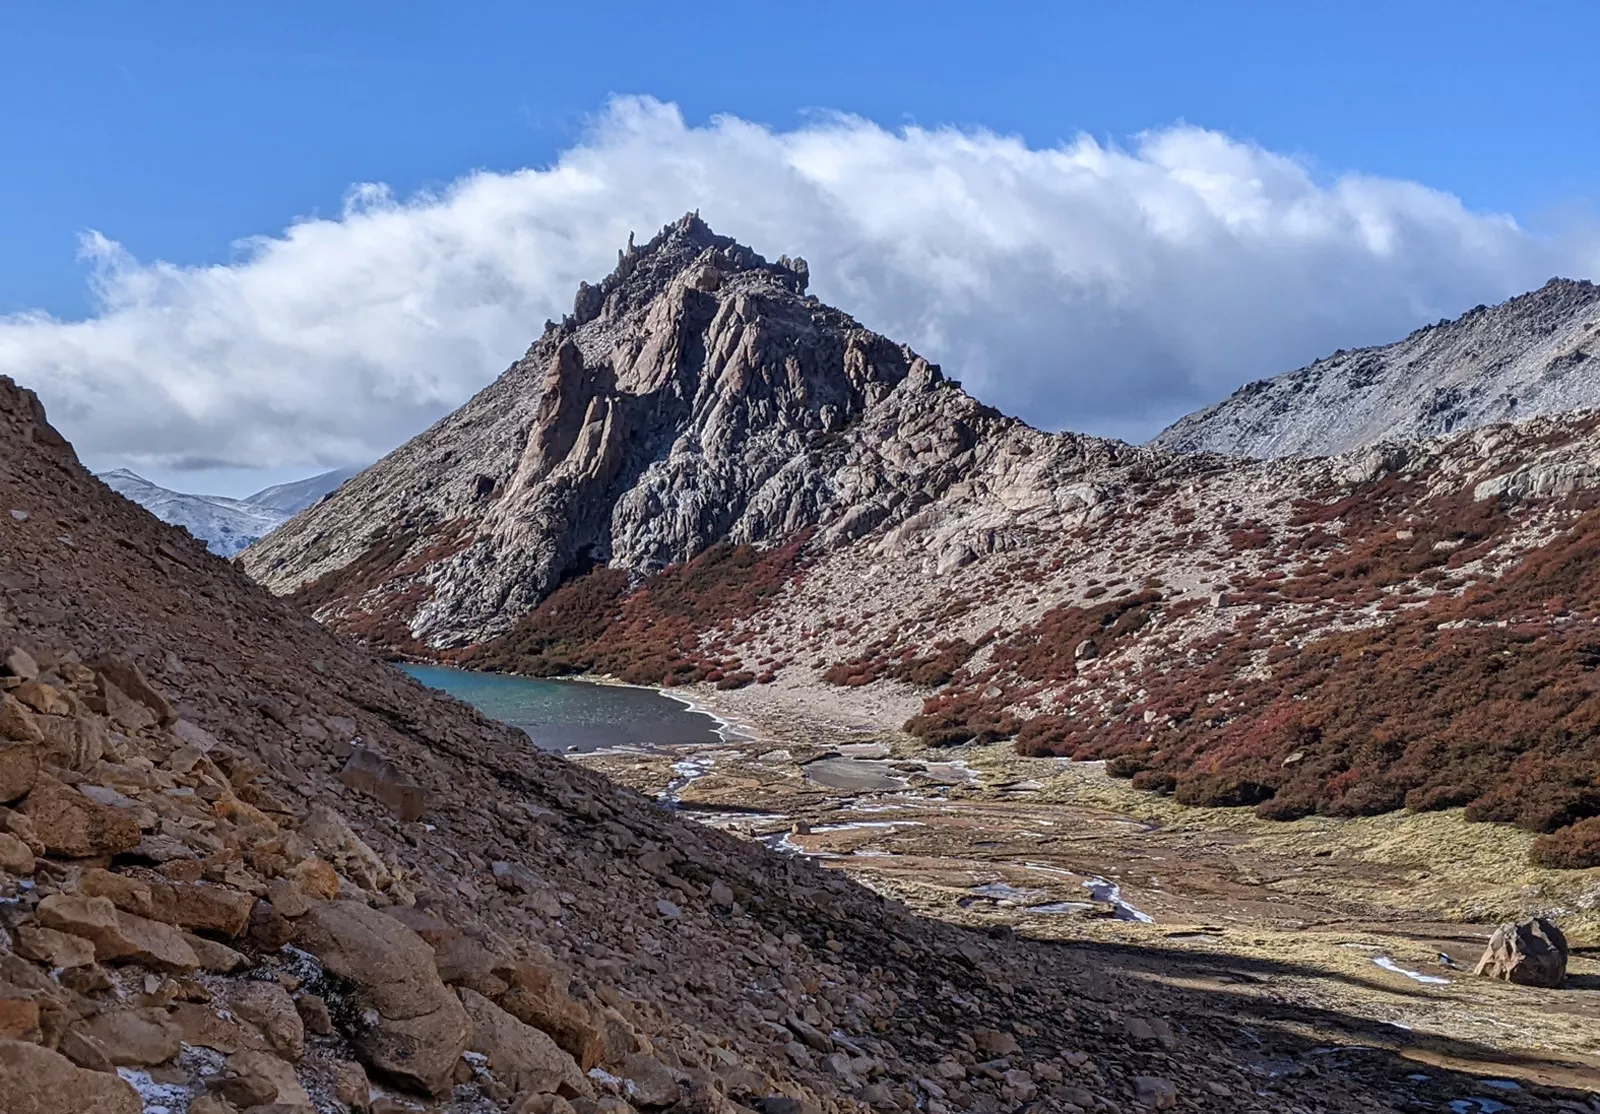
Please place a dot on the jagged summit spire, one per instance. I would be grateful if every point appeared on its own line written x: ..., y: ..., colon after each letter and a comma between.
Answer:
x: 679, y: 245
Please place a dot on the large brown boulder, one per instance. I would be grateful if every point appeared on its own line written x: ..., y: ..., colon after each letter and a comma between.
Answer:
x: 268, y: 1007
x: 35, y: 1080
x: 371, y: 773
x: 71, y: 825
x: 202, y: 907
x: 133, y: 1038
x: 538, y: 997
x: 419, y: 1029
x: 117, y: 706
x: 130, y: 679
x: 116, y: 935
x: 16, y: 722
x: 520, y: 1056
x: 1533, y: 953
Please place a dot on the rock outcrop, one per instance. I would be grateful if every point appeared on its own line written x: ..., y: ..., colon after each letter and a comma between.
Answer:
x: 1535, y: 355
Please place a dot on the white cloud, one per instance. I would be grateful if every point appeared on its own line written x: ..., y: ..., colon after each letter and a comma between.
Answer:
x: 1085, y: 286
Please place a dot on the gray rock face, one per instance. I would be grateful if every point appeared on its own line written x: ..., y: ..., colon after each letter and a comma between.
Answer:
x: 1534, y: 355
x: 696, y: 395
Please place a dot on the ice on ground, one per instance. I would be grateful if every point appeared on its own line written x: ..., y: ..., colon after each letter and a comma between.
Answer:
x: 1390, y: 965
x: 158, y: 1098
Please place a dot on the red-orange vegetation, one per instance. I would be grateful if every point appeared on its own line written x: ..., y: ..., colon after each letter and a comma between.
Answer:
x: 374, y: 597
x: 1571, y: 848
x: 1487, y: 699
x: 652, y: 635
x: 904, y: 664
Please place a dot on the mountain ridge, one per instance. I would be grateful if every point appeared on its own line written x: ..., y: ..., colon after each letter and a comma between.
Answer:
x: 696, y: 395
x: 227, y: 526
x: 1533, y: 355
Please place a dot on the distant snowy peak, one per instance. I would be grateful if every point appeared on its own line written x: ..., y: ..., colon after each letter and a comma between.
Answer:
x: 1537, y: 354
x: 292, y: 498
x: 227, y: 526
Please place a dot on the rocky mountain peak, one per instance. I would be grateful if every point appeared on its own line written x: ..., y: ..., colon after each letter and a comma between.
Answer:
x: 696, y: 395
x: 686, y: 245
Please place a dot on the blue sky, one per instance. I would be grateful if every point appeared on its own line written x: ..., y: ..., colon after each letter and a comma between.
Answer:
x: 179, y: 129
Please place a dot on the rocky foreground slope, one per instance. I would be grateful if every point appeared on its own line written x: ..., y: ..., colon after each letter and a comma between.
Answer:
x: 244, y: 866
x: 706, y: 476
x: 1535, y: 355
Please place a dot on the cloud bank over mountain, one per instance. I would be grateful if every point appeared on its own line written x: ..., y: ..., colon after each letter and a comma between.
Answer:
x: 1088, y: 285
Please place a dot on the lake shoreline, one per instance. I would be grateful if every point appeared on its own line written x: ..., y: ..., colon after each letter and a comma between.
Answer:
x: 579, y: 714
x: 1353, y: 915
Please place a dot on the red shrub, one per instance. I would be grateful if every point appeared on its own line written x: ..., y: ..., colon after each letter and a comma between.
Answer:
x: 651, y: 635
x: 1571, y: 848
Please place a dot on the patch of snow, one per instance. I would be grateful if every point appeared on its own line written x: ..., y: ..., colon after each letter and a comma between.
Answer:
x: 1000, y: 891
x: 1062, y: 907
x: 1390, y: 965
x: 158, y: 1098
x: 1111, y: 894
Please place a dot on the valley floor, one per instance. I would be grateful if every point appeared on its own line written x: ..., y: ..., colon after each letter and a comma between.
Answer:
x: 1348, y: 933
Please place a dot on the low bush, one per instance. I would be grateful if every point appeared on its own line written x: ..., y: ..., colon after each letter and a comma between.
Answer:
x: 649, y: 634
x: 1572, y: 848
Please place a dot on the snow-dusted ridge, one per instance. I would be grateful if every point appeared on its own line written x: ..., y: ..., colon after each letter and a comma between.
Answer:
x: 1537, y: 354
x: 227, y: 526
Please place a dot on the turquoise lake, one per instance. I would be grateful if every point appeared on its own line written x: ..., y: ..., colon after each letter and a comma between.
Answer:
x: 575, y: 715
